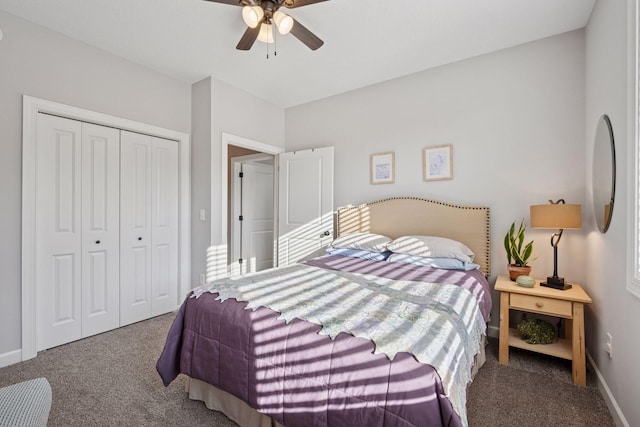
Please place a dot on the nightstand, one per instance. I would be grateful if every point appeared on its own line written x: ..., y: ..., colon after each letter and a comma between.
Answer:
x: 567, y: 304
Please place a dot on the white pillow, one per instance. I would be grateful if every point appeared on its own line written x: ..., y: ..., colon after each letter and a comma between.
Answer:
x: 443, y: 263
x: 430, y: 246
x: 363, y: 241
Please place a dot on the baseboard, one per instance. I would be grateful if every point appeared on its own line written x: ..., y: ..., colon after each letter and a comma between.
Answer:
x: 10, y: 358
x: 493, y: 332
x: 609, y: 399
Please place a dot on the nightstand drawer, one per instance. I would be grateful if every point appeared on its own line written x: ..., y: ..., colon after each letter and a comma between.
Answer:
x: 550, y: 306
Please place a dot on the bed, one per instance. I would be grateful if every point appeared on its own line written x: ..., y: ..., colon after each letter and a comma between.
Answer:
x: 344, y: 339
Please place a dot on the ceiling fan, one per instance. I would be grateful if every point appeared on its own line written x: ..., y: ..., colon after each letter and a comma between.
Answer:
x: 259, y: 15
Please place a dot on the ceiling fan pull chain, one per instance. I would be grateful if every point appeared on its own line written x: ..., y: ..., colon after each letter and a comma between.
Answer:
x: 275, y: 44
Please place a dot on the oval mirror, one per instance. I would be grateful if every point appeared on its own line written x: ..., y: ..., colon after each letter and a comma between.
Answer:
x: 604, y: 173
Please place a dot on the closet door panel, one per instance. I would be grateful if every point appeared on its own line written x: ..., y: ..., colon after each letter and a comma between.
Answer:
x: 100, y: 229
x: 58, y: 227
x: 164, y: 234
x: 135, y: 227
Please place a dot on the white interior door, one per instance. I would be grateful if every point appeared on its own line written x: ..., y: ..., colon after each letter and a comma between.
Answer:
x: 253, y: 236
x: 59, y: 231
x: 305, y: 221
x: 258, y: 224
x: 148, y: 226
x: 164, y: 233
x: 100, y: 229
x: 135, y: 227
x: 70, y: 192
x: 235, y: 244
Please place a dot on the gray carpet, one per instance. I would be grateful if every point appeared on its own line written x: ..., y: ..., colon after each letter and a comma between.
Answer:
x: 533, y: 390
x: 110, y: 379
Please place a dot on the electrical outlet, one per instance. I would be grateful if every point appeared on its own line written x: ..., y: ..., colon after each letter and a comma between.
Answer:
x: 203, y: 279
x: 202, y: 215
x: 609, y: 345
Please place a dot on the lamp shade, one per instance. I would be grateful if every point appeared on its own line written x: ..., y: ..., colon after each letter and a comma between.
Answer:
x: 556, y: 216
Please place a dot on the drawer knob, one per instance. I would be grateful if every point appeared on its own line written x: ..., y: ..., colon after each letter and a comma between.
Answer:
x: 539, y: 304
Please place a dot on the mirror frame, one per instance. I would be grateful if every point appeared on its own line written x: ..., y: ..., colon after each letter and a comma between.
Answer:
x: 604, y: 121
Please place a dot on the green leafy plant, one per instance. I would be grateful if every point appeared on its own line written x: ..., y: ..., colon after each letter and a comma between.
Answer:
x: 536, y: 331
x: 518, y: 253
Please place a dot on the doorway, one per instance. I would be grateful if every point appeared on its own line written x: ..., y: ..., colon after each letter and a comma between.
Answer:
x: 221, y: 263
x: 302, y: 199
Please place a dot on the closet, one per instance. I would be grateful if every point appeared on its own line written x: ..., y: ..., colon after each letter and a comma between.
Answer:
x: 106, y: 228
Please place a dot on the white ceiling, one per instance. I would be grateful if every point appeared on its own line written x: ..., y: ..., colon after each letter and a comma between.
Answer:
x: 366, y: 41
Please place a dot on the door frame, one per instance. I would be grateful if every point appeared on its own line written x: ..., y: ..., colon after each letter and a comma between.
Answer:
x: 239, y: 141
x: 31, y: 107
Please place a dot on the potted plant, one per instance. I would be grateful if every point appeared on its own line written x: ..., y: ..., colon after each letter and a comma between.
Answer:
x: 518, y: 253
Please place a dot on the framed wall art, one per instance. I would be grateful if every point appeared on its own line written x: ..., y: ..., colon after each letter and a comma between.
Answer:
x: 383, y: 168
x: 438, y: 162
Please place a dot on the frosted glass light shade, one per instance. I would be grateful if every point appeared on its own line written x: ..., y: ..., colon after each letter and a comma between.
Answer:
x: 266, y: 33
x: 252, y: 15
x: 283, y: 21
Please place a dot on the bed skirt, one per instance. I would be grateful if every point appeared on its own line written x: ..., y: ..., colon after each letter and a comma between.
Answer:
x: 244, y: 415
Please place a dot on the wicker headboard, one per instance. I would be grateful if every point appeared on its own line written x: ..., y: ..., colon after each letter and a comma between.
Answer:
x: 402, y: 216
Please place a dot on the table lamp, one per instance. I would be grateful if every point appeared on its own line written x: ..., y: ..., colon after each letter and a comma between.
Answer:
x: 561, y: 216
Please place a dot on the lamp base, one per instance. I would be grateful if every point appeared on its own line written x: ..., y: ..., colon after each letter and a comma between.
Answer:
x: 556, y: 282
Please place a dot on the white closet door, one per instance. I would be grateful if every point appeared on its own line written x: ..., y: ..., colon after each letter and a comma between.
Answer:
x: 59, y: 230
x: 164, y: 232
x: 100, y: 229
x: 135, y: 227
x: 148, y: 226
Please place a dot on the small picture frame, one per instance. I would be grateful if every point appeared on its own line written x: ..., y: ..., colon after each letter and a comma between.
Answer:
x: 383, y: 168
x: 438, y: 162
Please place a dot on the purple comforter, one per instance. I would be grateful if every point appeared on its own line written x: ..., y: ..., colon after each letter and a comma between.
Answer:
x: 301, y: 378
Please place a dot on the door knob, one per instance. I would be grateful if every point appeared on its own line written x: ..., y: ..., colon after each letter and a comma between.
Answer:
x: 326, y: 233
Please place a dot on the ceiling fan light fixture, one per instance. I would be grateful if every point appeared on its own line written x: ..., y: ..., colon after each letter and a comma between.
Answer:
x: 252, y: 15
x: 266, y: 33
x: 283, y: 21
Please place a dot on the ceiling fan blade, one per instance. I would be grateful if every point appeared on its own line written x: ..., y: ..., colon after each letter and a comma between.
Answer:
x: 301, y: 32
x: 236, y: 2
x: 248, y: 38
x: 291, y: 4
x: 232, y: 2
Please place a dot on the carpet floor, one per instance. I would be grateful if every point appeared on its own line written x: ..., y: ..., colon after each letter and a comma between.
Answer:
x: 110, y: 380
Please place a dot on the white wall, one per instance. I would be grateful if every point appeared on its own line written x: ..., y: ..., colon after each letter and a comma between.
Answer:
x: 614, y: 309
x: 200, y: 176
x: 516, y: 122
x: 41, y: 63
x: 235, y: 112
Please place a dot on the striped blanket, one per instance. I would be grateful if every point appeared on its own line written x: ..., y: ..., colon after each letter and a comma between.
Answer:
x: 440, y: 324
